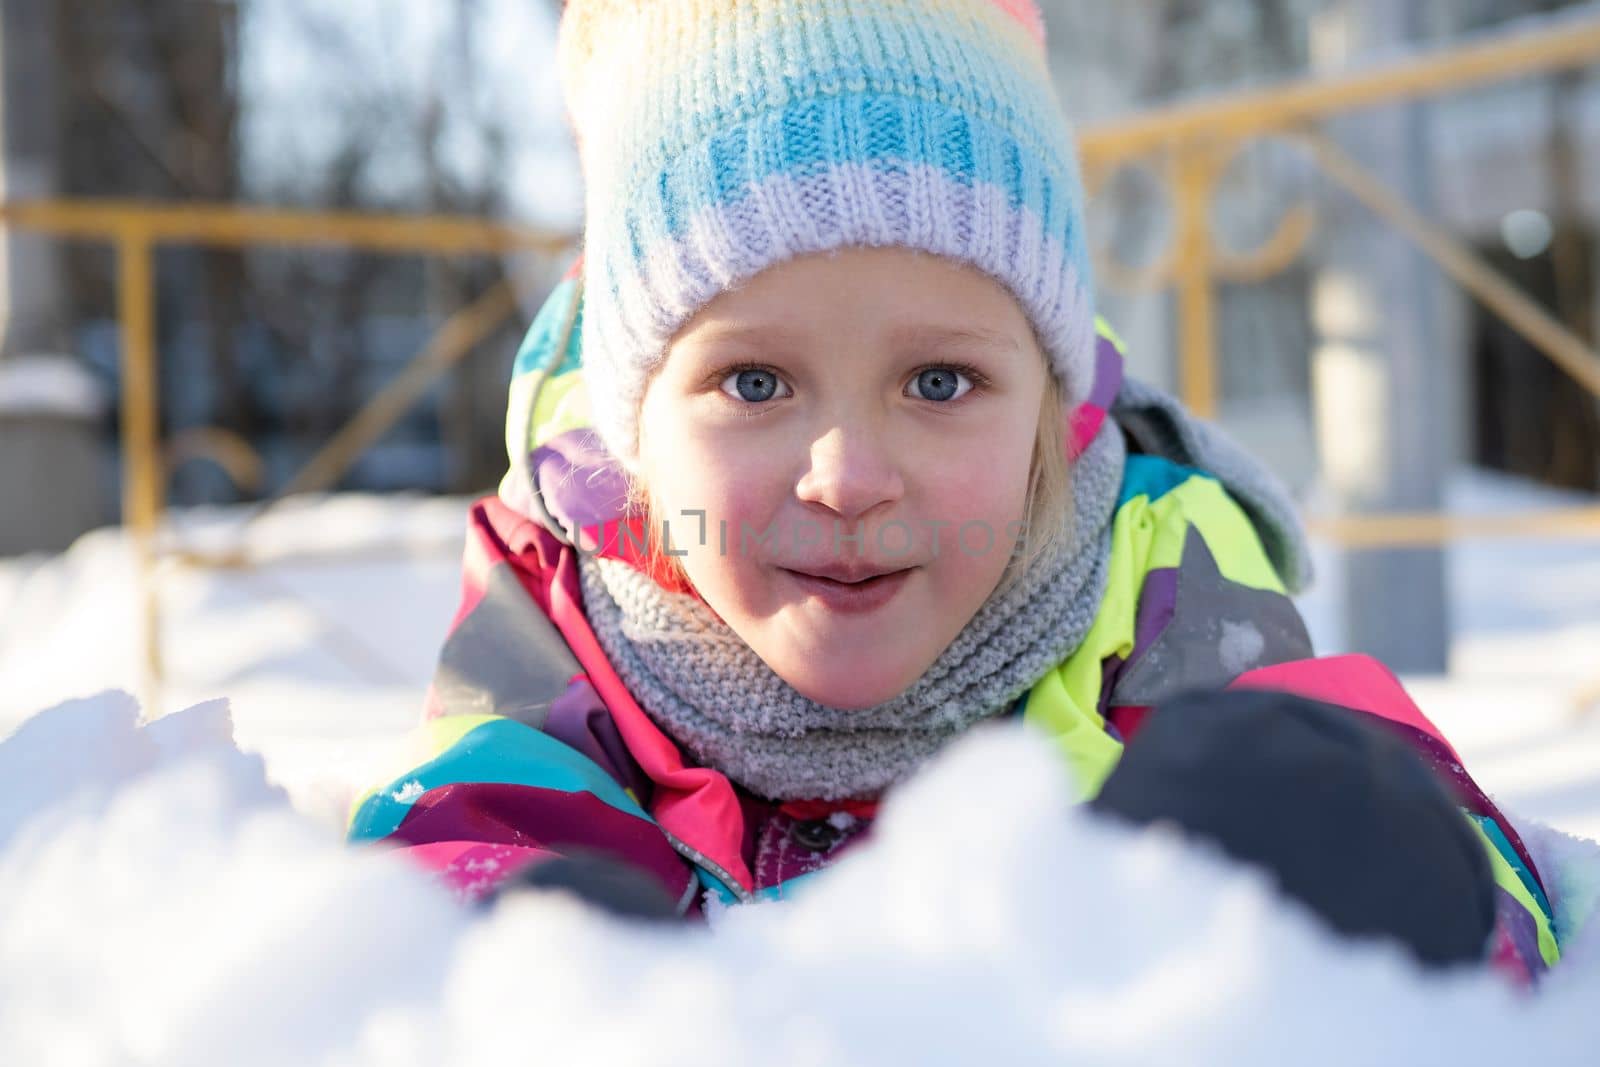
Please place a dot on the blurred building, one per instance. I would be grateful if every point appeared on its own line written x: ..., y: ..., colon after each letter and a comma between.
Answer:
x: 52, y: 442
x: 154, y: 102
x: 1510, y: 168
x: 1364, y: 377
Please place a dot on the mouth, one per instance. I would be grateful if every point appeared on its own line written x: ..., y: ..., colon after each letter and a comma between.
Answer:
x: 850, y: 591
x: 843, y: 575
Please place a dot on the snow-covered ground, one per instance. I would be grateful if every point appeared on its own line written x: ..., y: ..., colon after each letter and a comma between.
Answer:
x: 162, y: 900
x: 323, y: 647
x: 160, y: 903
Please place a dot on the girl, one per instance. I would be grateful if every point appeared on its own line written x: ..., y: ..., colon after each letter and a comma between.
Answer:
x: 820, y: 458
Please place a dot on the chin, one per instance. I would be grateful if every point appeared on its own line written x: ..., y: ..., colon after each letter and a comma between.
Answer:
x: 849, y: 668
x: 847, y: 690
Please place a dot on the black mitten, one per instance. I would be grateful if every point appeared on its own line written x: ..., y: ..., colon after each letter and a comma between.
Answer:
x: 1346, y: 817
x: 599, y: 880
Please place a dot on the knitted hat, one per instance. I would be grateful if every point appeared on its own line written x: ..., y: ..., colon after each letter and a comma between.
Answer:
x: 722, y: 137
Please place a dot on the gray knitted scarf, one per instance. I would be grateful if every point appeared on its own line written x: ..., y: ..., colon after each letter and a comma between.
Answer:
x: 715, y: 697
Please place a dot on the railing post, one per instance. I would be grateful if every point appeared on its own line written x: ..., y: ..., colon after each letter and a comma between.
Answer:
x: 1194, y: 179
x: 143, y: 484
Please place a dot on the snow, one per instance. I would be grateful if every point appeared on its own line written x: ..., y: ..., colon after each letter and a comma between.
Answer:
x: 1240, y: 646
x: 160, y: 902
x: 323, y: 648
x: 49, y: 385
x: 177, y: 892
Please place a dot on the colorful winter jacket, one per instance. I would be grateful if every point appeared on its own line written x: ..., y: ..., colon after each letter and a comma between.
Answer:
x: 533, y: 747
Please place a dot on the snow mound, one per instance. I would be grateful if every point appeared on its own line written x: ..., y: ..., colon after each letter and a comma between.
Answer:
x: 160, y: 903
x: 323, y: 645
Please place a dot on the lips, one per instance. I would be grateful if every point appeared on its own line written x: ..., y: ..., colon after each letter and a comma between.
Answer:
x: 846, y: 574
x: 866, y: 590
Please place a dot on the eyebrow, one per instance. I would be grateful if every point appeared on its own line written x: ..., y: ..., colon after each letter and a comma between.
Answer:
x: 937, y: 336
x: 917, y: 335
x: 746, y: 334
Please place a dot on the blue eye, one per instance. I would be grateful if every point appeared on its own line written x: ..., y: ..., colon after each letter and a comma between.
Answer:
x: 941, y: 384
x: 753, y: 385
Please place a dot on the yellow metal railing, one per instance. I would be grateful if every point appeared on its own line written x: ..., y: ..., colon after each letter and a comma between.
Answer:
x: 135, y: 231
x: 1192, y: 146
x: 1196, y: 142
x: 1566, y: 44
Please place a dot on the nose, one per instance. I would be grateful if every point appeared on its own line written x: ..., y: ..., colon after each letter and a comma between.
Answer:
x: 852, y: 471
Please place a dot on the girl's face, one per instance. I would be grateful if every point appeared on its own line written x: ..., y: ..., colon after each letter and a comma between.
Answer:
x: 857, y: 430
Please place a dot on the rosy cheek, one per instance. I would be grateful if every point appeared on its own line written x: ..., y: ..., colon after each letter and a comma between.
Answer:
x: 734, y: 495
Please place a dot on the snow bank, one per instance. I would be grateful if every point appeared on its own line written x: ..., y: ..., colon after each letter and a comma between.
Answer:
x: 323, y: 647
x: 160, y: 903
